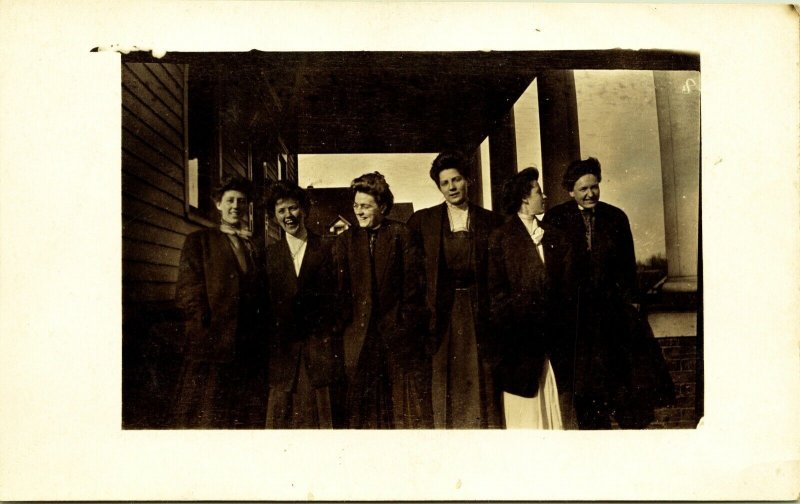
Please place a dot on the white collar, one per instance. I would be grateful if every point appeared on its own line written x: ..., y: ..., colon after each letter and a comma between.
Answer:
x: 528, y: 218
x: 458, y: 217
x: 455, y: 208
x: 295, y: 242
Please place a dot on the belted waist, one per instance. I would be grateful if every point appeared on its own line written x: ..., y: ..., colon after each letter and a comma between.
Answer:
x: 463, y: 283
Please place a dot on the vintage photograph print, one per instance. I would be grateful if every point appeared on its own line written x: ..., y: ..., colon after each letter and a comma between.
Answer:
x: 411, y: 240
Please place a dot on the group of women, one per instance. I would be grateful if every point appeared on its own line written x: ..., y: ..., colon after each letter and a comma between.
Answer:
x: 461, y: 318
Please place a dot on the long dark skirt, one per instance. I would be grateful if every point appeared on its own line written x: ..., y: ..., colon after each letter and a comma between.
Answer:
x: 215, y: 395
x: 369, y: 392
x: 464, y: 395
x: 304, y: 407
x: 388, y: 393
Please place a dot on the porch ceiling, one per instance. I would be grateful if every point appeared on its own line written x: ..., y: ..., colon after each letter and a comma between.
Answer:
x: 400, y: 102
x: 381, y: 102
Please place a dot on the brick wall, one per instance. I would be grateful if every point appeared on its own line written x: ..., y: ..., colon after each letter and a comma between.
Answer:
x: 680, y: 353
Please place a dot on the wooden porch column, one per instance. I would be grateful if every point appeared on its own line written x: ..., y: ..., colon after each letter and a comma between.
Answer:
x: 678, y: 107
x: 558, y: 120
x: 502, y: 156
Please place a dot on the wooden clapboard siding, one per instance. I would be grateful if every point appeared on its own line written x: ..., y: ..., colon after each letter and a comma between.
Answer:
x: 147, y: 272
x: 134, y: 146
x: 143, y: 85
x: 159, y: 84
x: 291, y: 167
x: 172, y: 85
x: 149, y: 252
x: 144, y: 171
x: 147, y: 292
x: 136, y: 211
x: 149, y: 136
x: 149, y: 192
x: 231, y: 166
x: 176, y: 72
x: 144, y: 232
x: 272, y: 171
x: 154, y: 224
x: 139, y: 116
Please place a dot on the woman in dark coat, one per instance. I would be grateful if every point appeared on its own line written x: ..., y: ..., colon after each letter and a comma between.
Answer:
x: 221, y: 291
x: 304, y: 359
x: 595, y: 355
x: 455, y: 236
x: 524, y: 277
x: 382, y: 286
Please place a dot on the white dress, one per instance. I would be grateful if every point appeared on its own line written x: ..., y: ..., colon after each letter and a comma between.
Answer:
x: 540, y: 412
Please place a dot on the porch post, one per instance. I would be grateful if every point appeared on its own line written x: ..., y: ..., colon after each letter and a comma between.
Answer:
x: 558, y: 120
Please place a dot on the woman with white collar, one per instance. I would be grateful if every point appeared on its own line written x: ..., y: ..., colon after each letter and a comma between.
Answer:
x: 454, y: 236
x: 522, y: 281
x: 305, y: 366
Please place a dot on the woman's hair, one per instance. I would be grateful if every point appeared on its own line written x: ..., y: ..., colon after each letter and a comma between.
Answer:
x: 283, y: 189
x: 578, y: 169
x: 375, y: 185
x: 516, y: 188
x: 232, y: 183
x: 451, y: 159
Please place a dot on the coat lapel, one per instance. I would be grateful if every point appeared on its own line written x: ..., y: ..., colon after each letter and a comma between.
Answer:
x: 361, y: 285
x: 524, y: 244
x: 311, y: 260
x: 359, y: 263
x: 383, y: 253
x: 285, y: 267
x: 434, y: 231
x: 222, y: 254
x: 480, y: 229
x: 549, y: 241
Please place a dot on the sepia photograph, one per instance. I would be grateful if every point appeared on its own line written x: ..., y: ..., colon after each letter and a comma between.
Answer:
x: 399, y: 251
x: 390, y: 240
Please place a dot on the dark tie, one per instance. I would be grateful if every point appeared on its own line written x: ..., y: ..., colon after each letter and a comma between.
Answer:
x: 241, y: 249
x: 373, y: 237
x: 587, y: 222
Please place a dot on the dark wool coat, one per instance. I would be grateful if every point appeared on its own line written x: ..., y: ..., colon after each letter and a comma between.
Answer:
x: 388, y: 374
x: 428, y: 225
x: 397, y: 310
x: 605, y: 351
x: 222, y: 382
x: 524, y: 293
x: 211, y: 294
x: 303, y: 315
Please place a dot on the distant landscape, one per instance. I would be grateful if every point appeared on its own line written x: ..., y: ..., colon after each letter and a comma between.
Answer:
x: 650, y: 273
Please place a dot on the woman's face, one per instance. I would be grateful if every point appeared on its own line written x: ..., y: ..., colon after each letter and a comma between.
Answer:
x: 453, y: 185
x: 586, y: 191
x: 367, y: 210
x: 290, y: 216
x: 233, y: 207
x: 533, y: 203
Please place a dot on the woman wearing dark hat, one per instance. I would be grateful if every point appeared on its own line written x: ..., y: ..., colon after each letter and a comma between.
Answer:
x: 383, y: 288
x: 221, y: 291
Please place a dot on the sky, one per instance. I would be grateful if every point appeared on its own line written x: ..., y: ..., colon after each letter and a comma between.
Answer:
x: 618, y: 125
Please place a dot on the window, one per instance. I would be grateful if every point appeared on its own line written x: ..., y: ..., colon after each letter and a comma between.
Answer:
x: 202, y: 166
